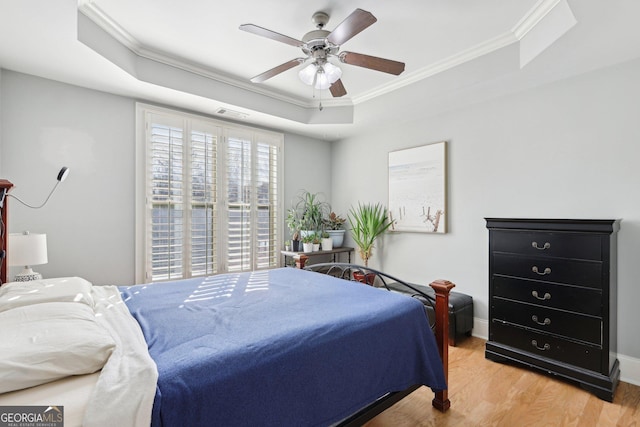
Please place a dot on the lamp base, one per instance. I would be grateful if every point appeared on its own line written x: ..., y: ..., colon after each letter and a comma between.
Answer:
x: 27, y: 275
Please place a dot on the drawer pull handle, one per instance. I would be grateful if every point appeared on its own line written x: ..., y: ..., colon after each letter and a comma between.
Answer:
x: 545, y: 297
x: 544, y: 348
x: 546, y: 245
x: 546, y: 321
x: 545, y: 272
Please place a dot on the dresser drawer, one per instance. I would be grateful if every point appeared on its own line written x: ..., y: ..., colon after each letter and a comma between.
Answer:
x: 580, y: 273
x: 565, y: 297
x: 548, y: 244
x: 581, y: 355
x: 550, y: 320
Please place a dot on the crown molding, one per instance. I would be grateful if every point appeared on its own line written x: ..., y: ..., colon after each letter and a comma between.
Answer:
x: 522, y: 27
x: 529, y: 21
x: 472, y: 53
x: 104, y: 21
x: 533, y: 17
x: 111, y: 27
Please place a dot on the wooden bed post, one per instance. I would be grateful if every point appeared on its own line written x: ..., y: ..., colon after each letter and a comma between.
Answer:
x: 442, y: 289
x: 5, y: 186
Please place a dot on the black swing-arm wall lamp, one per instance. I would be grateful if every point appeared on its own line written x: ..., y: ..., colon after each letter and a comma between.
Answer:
x: 29, y: 249
x: 62, y: 175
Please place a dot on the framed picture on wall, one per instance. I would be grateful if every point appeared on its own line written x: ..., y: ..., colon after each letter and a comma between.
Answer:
x: 417, y: 188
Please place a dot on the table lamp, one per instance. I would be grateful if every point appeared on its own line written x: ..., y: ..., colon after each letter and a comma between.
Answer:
x: 26, y: 250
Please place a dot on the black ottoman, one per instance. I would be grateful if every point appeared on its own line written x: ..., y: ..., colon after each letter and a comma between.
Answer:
x: 460, y: 308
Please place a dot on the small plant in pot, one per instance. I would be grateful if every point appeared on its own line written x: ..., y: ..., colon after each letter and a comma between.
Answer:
x: 367, y: 222
x: 316, y: 242
x: 307, y: 243
x: 293, y: 224
x: 334, y: 226
x: 327, y: 241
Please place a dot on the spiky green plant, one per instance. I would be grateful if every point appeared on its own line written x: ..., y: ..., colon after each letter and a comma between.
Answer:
x: 367, y: 222
x: 310, y: 209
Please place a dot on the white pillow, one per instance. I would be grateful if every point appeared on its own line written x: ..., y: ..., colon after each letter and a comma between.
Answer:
x: 45, y: 342
x: 63, y: 289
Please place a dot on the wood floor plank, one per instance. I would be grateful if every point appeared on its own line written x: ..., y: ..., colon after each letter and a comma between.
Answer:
x: 629, y: 400
x: 485, y: 393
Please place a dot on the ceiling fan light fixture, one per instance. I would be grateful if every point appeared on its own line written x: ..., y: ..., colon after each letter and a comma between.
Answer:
x: 308, y: 74
x: 322, y: 75
x: 322, y: 82
x: 332, y: 72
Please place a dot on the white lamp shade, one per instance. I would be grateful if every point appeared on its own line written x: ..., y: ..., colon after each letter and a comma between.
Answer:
x: 27, y: 249
x: 308, y: 73
x: 324, y: 75
x: 322, y: 82
x: 332, y: 72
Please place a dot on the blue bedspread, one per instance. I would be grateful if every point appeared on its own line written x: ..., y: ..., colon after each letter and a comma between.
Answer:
x: 279, y: 347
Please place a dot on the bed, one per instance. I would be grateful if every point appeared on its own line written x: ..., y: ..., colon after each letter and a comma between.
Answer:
x: 276, y: 347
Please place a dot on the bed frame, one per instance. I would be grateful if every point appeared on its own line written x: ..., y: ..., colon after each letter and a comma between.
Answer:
x: 440, y: 326
x: 5, y: 186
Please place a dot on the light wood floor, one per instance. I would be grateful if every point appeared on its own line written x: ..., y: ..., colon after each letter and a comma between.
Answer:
x: 486, y: 393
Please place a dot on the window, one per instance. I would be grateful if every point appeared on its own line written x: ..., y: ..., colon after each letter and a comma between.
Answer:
x: 211, y: 199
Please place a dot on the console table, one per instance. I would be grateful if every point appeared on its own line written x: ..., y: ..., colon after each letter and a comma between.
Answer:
x: 301, y: 258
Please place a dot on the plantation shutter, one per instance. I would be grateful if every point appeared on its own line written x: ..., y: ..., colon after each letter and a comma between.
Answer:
x: 267, y: 203
x: 165, y: 198
x: 252, y: 208
x: 203, y: 214
x: 212, y: 197
x: 239, y: 200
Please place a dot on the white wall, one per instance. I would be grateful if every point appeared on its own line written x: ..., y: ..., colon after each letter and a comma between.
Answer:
x: 565, y: 150
x: 307, y: 167
x: 89, y: 222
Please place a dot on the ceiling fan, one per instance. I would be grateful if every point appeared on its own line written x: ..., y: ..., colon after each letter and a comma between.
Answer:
x: 319, y: 45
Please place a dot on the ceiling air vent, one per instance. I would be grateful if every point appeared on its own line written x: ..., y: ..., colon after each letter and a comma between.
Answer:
x: 231, y: 113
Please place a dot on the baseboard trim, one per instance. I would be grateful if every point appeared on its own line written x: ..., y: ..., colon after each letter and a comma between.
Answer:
x: 629, y: 366
x: 629, y: 369
x: 480, y: 328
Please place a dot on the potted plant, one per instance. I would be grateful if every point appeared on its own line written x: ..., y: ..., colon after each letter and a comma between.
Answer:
x: 307, y: 243
x: 311, y: 210
x: 334, y: 226
x: 287, y: 245
x: 327, y: 241
x: 367, y: 222
x: 293, y: 223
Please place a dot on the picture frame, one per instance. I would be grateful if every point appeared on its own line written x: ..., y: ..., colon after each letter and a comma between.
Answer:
x: 418, y: 188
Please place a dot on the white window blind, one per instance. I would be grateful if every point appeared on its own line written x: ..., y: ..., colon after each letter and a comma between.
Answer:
x: 252, y: 194
x: 212, y: 197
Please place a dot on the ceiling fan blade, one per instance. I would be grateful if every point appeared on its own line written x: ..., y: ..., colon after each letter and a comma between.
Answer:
x: 372, y: 62
x: 352, y: 25
x: 277, y: 70
x: 254, y: 29
x: 337, y: 89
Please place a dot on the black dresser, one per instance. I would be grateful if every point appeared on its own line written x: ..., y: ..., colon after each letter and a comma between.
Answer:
x: 552, y: 298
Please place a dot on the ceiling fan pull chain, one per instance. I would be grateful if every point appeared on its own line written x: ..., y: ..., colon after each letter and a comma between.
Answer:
x: 315, y: 79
